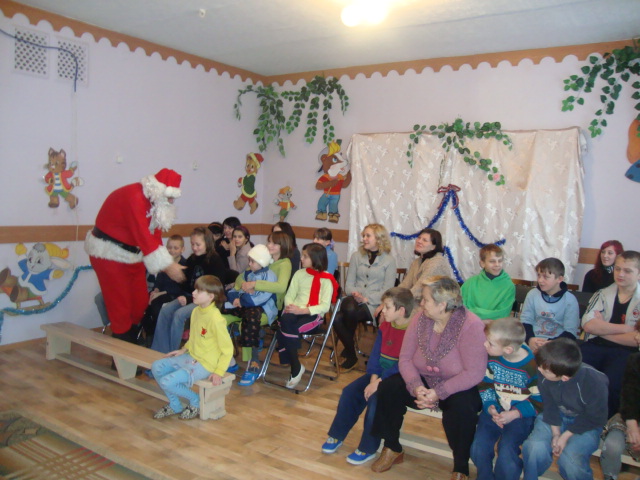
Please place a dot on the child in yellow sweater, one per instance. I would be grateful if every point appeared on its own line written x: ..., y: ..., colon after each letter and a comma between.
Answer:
x: 205, y: 355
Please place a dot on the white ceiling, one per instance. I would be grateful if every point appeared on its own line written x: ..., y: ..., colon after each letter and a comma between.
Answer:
x: 273, y: 37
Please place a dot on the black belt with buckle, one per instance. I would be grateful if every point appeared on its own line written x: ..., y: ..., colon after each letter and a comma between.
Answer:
x: 104, y: 236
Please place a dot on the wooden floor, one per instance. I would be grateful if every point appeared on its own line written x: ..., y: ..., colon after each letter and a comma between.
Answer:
x: 267, y: 433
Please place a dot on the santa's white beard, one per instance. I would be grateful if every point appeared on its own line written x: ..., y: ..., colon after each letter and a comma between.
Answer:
x: 163, y: 214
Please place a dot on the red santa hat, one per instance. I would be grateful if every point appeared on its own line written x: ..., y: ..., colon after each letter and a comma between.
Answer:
x: 257, y: 159
x: 164, y: 184
x: 171, y: 181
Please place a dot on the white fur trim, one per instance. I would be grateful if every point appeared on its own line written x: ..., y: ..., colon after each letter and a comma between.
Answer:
x: 96, y: 247
x: 172, y: 192
x: 158, y: 260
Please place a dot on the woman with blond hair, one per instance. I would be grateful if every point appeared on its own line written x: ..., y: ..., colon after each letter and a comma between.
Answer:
x: 372, y: 271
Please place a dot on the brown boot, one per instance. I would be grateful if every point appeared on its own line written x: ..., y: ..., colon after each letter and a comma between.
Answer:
x: 321, y: 216
x: 386, y: 460
x: 54, y: 201
x: 334, y: 217
x: 239, y: 203
x: 458, y: 476
x: 72, y: 200
x: 253, y: 206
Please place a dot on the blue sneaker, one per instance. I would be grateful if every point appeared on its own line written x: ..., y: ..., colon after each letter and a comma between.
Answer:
x: 250, y: 376
x: 358, y: 457
x: 233, y: 368
x: 331, y: 445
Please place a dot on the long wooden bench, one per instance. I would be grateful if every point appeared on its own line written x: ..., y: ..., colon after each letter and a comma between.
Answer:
x: 437, y: 447
x: 127, y: 358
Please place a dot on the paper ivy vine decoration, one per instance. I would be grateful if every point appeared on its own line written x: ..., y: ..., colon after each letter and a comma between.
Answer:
x: 454, y: 136
x: 315, y: 95
x: 615, y: 68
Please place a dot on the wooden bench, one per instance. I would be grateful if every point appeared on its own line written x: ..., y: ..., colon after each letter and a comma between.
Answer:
x: 127, y: 357
x: 437, y: 447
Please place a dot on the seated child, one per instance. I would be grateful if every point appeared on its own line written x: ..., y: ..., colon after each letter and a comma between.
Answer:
x: 250, y: 307
x: 397, y: 305
x: 609, y: 323
x: 510, y: 401
x: 310, y: 295
x: 205, y: 355
x: 164, y: 289
x: 622, y: 431
x: 324, y: 237
x: 575, y: 410
x: 491, y: 293
x: 550, y: 311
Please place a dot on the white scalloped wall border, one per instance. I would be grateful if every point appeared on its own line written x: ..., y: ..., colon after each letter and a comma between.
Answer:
x: 557, y: 54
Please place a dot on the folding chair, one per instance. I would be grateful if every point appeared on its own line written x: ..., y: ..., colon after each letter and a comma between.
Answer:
x: 322, y: 332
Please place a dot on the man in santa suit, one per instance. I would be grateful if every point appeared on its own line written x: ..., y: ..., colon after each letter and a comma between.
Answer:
x: 127, y: 241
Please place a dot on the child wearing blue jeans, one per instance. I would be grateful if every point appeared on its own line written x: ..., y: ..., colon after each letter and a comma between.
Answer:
x: 510, y: 401
x: 250, y: 307
x: 575, y: 410
x: 205, y: 355
x: 397, y: 305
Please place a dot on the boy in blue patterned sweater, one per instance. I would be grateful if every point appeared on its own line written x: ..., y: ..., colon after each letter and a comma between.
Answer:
x: 397, y: 305
x: 510, y: 401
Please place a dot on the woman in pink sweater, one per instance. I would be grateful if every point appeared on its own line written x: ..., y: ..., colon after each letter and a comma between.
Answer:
x: 442, y: 360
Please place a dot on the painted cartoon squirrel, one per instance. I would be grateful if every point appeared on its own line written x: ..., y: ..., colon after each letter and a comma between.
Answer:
x: 337, y: 175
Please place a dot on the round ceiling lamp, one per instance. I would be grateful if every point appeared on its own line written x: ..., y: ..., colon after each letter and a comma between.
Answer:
x: 371, y: 12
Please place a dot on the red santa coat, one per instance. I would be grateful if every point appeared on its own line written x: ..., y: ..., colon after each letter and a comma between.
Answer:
x: 121, y: 273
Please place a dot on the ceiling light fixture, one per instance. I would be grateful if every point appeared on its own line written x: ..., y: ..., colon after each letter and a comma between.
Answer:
x: 370, y: 12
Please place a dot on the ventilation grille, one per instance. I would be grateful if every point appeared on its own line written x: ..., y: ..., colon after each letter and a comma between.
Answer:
x: 28, y: 57
x: 66, y: 64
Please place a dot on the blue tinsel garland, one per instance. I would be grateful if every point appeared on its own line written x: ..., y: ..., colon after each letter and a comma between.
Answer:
x: 65, y: 292
x: 450, y: 194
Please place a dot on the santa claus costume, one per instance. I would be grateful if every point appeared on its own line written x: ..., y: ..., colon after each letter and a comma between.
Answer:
x: 127, y: 240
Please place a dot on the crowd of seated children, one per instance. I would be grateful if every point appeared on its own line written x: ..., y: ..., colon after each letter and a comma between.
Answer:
x: 205, y: 355
x: 249, y: 307
x: 239, y: 249
x: 324, y: 237
x: 308, y: 298
x: 574, y: 396
x: 510, y: 401
x: 397, y: 305
x: 203, y: 261
x: 372, y: 271
x: 550, y: 310
x: 609, y: 324
x: 531, y: 361
x: 164, y: 289
x: 491, y: 293
x: 601, y: 275
x: 295, y: 256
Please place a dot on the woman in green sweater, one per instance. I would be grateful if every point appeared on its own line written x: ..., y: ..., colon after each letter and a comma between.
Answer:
x: 281, y: 248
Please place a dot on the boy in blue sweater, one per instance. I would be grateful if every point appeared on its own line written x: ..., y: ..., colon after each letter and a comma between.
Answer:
x: 510, y: 401
x: 550, y: 310
x: 397, y: 304
x: 250, y: 307
x: 575, y: 410
x: 324, y: 237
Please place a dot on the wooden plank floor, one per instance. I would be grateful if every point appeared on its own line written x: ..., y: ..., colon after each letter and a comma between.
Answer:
x: 267, y: 433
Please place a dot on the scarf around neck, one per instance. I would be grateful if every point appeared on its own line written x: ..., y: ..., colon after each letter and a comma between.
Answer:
x: 314, y: 295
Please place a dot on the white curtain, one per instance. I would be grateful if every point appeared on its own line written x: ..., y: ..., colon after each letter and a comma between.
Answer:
x: 537, y: 213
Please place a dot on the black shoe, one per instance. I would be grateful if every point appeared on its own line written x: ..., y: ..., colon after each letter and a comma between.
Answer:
x: 349, y: 364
